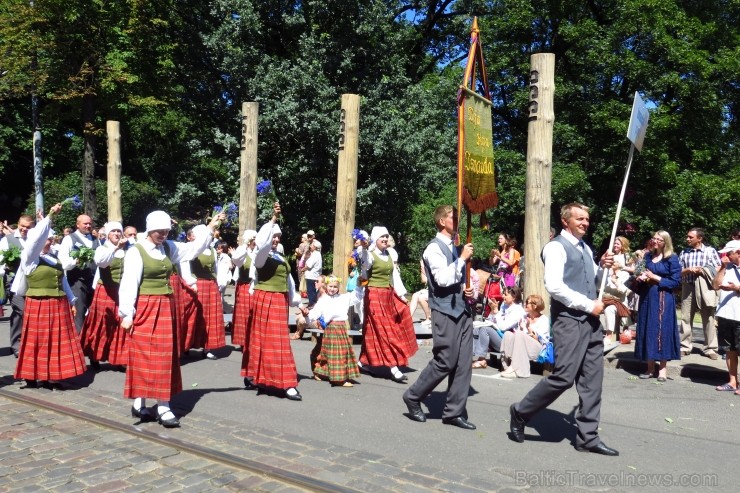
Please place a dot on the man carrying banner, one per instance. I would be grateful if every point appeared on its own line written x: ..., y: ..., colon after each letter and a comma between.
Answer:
x: 452, y: 325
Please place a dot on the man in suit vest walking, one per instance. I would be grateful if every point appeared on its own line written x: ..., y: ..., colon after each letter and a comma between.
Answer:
x: 570, y: 279
x: 452, y: 325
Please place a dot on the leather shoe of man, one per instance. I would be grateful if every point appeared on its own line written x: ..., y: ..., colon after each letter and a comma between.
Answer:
x: 460, y: 422
x: 415, y: 411
x: 599, y: 448
x: 516, y: 425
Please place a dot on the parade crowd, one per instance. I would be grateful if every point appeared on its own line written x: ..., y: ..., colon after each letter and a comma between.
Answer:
x: 140, y: 302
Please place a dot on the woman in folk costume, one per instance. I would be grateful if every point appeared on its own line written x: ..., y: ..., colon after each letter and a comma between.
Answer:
x: 49, y: 348
x: 269, y: 360
x: 388, y: 333
x: 102, y: 338
x: 338, y: 362
x: 206, y: 321
x: 243, y: 257
x: 148, y: 315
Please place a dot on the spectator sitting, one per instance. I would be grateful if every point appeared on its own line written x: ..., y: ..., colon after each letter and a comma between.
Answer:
x: 519, y: 347
x: 505, y: 318
x: 421, y: 298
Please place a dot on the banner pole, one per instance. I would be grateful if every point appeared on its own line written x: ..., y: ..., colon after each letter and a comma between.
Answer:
x: 616, y: 218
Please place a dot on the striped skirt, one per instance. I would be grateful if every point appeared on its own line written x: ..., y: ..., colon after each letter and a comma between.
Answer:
x: 102, y: 338
x: 388, y: 337
x: 209, y: 318
x: 241, y: 315
x: 191, y: 337
x: 49, y: 347
x: 269, y: 360
x: 177, y: 299
x: 153, y: 368
x: 337, y: 361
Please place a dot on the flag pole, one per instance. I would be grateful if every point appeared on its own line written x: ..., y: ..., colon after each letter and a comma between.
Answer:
x: 619, y: 212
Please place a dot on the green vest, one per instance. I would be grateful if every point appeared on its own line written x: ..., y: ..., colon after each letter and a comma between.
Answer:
x: 111, y: 275
x: 380, y: 273
x: 244, y: 271
x: 273, y: 276
x: 155, y: 279
x: 46, y: 280
x: 202, y: 266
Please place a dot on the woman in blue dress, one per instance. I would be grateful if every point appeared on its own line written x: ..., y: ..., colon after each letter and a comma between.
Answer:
x: 657, y: 327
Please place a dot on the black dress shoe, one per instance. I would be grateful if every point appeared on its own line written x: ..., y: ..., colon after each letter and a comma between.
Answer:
x: 248, y: 384
x: 599, y: 448
x: 144, y: 414
x: 95, y: 364
x: 415, y: 411
x: 294, y: 397
x: 401, y: 379
x: 31, y: 384
x: 16, y: 353
x: 460, y: 422
x: 172, y: 422
x: 516, y: 425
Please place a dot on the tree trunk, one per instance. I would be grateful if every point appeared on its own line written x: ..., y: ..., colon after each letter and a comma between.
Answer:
x: 89, y: 196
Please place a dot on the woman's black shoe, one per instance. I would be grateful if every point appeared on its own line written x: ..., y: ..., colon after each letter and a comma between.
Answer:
x: 31, y: 384
x: 294, y: 397
x: 248, y: 384
x: 172, y: 422
x: 144, y: 414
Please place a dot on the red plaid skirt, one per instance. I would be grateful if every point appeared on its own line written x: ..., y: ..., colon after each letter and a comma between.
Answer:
x: 241, y: 315
x: 388, y: 337
x: 49, y: 347
x: 337, y: 361
x: 209, y: 318
x: 269, y: 360
x: 153, y: 368
x: 102, y: 338
x: 192, y: 338
x: 177, y: 299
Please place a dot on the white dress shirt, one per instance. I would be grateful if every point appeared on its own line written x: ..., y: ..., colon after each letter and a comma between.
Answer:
x: 444, y: 274
x: 555, y: 259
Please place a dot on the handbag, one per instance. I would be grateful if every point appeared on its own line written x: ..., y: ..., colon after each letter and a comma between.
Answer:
x: 547, y: 354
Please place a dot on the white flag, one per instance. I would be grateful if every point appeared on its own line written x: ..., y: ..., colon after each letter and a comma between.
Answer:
x: 638, y: 122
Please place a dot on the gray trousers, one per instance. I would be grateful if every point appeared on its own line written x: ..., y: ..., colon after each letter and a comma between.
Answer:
x: 84, y: 294
x: 17, y: 306
x: 452, y: 359
x: 579, y: 355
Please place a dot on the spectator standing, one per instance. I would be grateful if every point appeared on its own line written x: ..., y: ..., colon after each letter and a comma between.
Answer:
x: 727, y: 281
x: 697, y: 294
x: 312, y: 271
x: 657, y: 328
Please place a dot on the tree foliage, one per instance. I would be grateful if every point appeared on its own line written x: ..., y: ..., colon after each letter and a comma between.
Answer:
x: 176, y: 72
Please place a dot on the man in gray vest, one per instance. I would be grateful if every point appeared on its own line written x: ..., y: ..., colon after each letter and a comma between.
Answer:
x: 80, y: 277
x: 17, y: 303
x: 452, y: 325
x: 570, y: 279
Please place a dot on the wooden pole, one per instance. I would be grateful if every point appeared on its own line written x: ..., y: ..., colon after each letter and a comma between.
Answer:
x: 113, y: 130
x: 344, y: 219
x: 248, y: 173
x: 539, y: 171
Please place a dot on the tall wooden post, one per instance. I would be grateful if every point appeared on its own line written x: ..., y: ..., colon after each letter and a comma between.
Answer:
x: 344, y: 219
x: 113, y: 130
x: 248, y: 173
x: 539, y: 170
